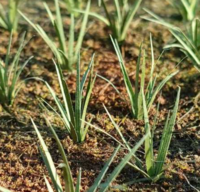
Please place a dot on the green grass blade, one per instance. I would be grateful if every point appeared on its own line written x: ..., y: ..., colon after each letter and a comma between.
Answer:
x: 166, y: 137
x: 149, y: 157
x: 60, y: 107
x: 107, y: 14
x: 139, y: 112
x: 8, y: 49
x: 78, y: 101
x: 4, y: 22
x: 152, y: 61
x: 47, y: 107
x: 158, y: 88
x: 78, y: 185
x: 45, y: 37
x: 83, y: 29
x: 48, y: 161
x: 69, y: 186
x: 50, y: 189
x: 117, y: 6
x: 14, y: 65
x: 65, y: 93
x: 86, y: 74
x: 129, y: 17
x: 59, y: 27
x: 125, y: 76
x: 96, y: 15
x: 108, y: 81
x: 13, y: 89
x: 137, y: 79
x: 85, y: 106
x: 71, y: 41
x: 49, y: 13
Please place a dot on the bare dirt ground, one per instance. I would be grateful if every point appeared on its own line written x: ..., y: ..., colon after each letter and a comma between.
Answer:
x: 21, y: 166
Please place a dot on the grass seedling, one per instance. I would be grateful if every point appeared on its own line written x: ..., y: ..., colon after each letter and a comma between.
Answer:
x: 154, y: 164
x: 9, y: 18
x: 98, y: 185
x: 66, y: 56
x: 9, y: 76
x: 74, y: 116
x: 187, y: 8
x: 188, y: 42
x: 119, y: 21
x: 135, y: 95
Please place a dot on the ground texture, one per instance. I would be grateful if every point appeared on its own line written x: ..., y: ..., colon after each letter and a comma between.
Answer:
x: 21, y: 166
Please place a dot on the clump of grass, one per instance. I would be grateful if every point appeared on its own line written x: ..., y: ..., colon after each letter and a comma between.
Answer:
x: 153, y: 166
x: 74, y: 116
x: 187, y: 41
x: 66, y: 56
x: 187, y: 8
x: 120, y: 19
x: 9, y: 18
x: 135, y: 95
x: 9, y: 76
x: 98, y: 184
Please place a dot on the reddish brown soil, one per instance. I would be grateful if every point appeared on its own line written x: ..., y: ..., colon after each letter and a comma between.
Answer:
x: 21, y: 166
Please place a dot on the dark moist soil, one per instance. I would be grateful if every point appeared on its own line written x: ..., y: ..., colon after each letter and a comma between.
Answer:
x: 21, y: 165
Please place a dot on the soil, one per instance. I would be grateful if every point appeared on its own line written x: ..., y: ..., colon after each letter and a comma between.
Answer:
x: 21, y: 165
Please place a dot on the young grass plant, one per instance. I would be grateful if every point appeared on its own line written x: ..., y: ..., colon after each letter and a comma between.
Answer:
x: 73, y: 116
x: 154, y: 164
x: 9, y: 19
x: 188, y: 42
x: 119, y: 21
x: 66, y: 56
x: 9, y: 76
x: 135, y: 96
x: 98, y: 184
x: 187, y: 8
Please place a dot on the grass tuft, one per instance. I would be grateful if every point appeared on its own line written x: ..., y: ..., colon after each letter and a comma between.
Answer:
x: 187, y: 8
x: 187, y: 41
x: 98, y: 185
x: 74, y: 116
x: 66, y: 56
x: 9, y: 18
x: 10, y: 72
x: 135, y: 95
x: 120, y: 19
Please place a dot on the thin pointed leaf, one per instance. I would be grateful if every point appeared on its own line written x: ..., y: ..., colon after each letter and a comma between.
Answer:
x: 149, y: 157
x: 125, y: 76
x: 48, y: 161
x: 50, y: 189
x: 78, y: 185
x: 67, y: 171
x: 166, y: 137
